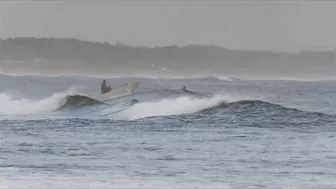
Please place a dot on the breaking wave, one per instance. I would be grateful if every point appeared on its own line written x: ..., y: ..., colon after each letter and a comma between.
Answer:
x: 23, y: 106
x: 134, y: 110
x: 189, y: 105
x: 174, y: 106
x: 75, y: 101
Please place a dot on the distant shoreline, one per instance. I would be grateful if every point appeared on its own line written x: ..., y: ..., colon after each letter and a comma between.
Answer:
x: 177, y: 77
x: 67, y: 56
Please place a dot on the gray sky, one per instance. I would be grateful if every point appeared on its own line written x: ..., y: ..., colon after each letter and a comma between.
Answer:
x: 275, y: 25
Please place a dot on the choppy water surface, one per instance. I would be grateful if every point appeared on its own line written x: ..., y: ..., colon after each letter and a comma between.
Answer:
x: 231, y: 134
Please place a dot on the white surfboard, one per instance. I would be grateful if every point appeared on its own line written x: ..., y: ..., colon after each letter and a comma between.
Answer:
x: 127, y: 89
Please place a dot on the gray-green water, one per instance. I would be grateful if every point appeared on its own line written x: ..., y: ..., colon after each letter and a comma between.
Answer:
x: 240, y: 134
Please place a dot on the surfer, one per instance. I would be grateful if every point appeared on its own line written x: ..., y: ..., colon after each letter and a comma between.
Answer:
x: 105, y: 88
x: 185, y: 90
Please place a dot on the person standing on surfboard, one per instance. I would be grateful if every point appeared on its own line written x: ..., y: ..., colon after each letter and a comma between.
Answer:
x: 105, y: 88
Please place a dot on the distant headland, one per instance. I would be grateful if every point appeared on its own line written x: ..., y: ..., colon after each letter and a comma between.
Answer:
x: 68, y: 56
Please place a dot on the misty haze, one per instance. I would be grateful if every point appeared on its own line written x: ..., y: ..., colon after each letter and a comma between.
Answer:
x: 168, y: 94
x: 186, y: 39
x: 49, y: 56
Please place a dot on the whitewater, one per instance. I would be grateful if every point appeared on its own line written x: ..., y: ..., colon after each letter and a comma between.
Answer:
x: 231, y: 134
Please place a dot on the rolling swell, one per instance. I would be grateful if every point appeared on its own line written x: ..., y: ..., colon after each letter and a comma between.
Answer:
x: 189, y: 106
x: 76, y: 101
x: 272, y: 113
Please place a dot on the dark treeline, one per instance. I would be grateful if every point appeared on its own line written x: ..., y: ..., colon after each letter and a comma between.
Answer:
x: 76, y: 56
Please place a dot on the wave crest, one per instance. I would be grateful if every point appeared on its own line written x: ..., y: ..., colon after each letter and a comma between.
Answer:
x: 166, y: 107
x: 75, y: 101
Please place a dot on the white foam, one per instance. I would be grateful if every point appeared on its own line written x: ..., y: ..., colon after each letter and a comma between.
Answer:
x: 176, y: 106
x: 224, y: 78
x: 23, y: 106
x: 3, y: 182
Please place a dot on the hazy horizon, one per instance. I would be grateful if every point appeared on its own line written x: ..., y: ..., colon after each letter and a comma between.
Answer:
x: 64, y: 56
x: 254, y: 37
x: 255, y: 25
x: 121, y: 43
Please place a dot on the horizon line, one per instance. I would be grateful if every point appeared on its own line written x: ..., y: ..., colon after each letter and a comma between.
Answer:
x: 119, y: 43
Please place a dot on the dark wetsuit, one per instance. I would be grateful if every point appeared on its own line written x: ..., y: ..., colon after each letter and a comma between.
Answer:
x: 105, y: 88
x: 184, y: 89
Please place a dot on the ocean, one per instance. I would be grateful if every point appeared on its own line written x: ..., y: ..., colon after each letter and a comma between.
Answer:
x: 230, y: 133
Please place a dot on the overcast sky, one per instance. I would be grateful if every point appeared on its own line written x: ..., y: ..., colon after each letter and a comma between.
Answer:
x: 275, y: 25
